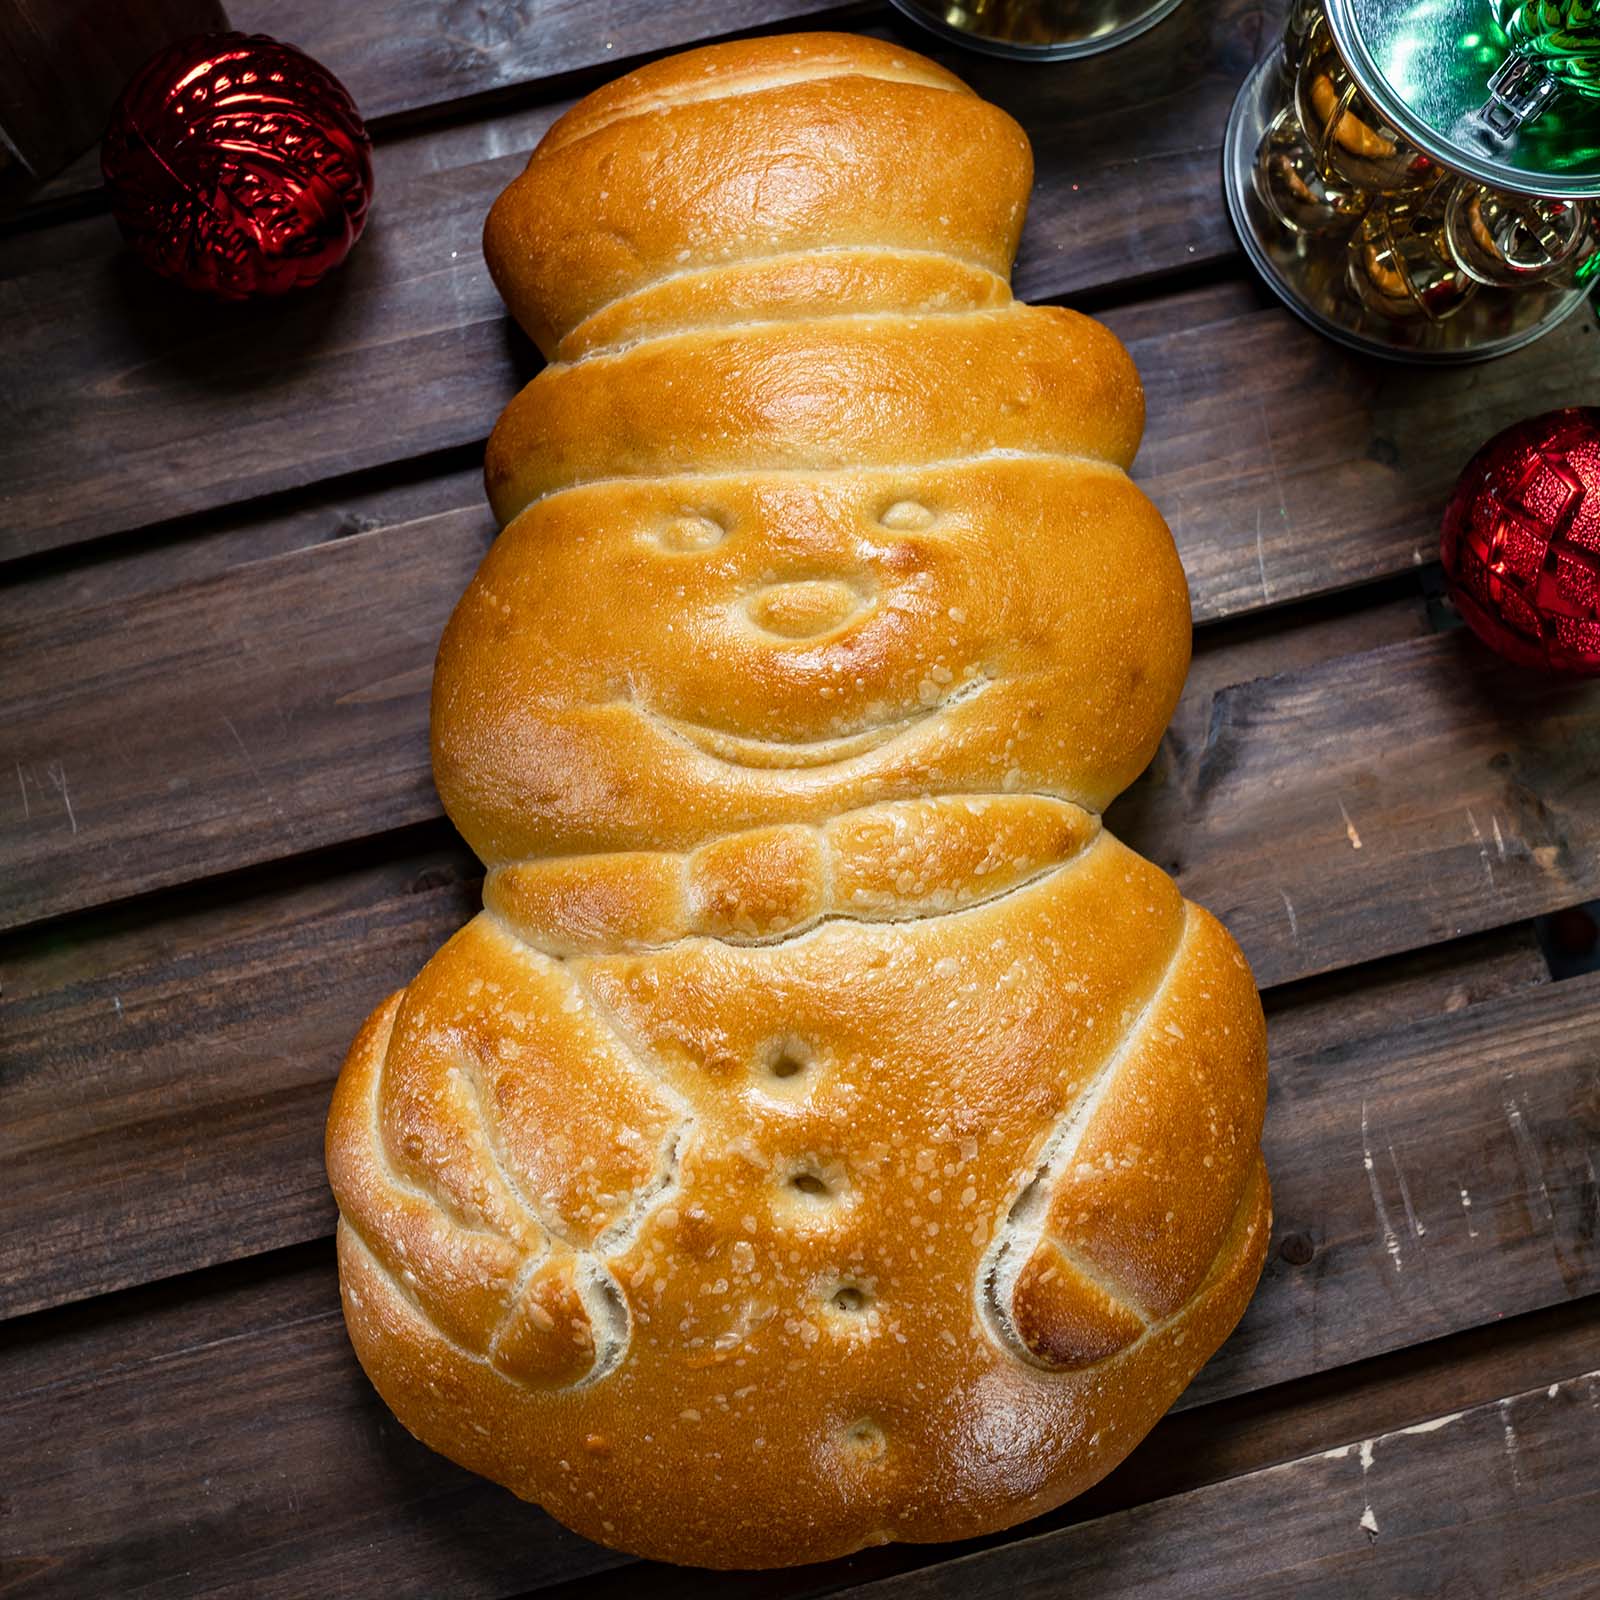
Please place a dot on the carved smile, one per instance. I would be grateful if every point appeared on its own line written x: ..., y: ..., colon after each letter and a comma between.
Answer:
x: 741, y: 750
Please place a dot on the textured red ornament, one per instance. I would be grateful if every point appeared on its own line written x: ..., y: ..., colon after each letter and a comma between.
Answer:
x: 238, y: 166
x: 1521, y: 545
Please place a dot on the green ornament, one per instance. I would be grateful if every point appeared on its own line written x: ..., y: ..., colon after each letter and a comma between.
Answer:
x: 1560, y: 36
x: 1552, y: 46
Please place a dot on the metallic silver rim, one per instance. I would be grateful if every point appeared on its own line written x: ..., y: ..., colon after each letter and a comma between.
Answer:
x: 1066, y: 51
x: 1457, y: 157
x: 1238, y: 160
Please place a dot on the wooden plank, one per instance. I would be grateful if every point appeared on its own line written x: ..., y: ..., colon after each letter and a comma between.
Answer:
x: 1356, y: 1002
x: 1211, y: 1443
x: 1378, y: 803
x: 223, y: 1439
x: 1288, y: 467
x: 173, y: 699
x: 406, y: 59
x: 176, y: 1071
x: 150, y: 1044
x: 1425, y: 1180
x: 121, y: 570
x: 1501, y: 1500
x: 129, y: 403
x: 398, y: 59
x: 262, y: 675
x: 228, y: 1442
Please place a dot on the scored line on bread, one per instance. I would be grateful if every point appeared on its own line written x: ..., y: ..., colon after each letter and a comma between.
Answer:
x: 828, y: 1131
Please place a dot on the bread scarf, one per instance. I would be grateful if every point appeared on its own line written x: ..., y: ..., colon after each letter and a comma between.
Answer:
x: 827, y: 1133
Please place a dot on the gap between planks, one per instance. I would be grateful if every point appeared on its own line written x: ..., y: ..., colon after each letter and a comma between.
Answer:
x: 409, y: 69
x: 370, y: 1504
x: 163, y: 376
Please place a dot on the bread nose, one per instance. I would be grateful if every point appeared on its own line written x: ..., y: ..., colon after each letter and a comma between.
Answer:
x: 805, y: 609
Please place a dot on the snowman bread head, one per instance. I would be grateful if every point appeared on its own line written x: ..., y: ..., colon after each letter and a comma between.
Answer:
x: 828, y: 1133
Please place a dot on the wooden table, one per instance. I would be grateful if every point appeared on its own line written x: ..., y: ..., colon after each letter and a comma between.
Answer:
x: 231, y: 538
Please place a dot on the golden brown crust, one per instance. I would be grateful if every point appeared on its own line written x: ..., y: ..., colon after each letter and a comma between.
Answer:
x: 719, y: 71
x: 612, y: 203
x: 1022, y: 626
x: 912, y: 858
x: 812, y: 283
x: 795, y: 1061
x: 821, y: 395
x: 827, y: 1133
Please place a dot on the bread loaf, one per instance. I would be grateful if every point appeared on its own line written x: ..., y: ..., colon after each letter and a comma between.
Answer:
x: 827, y: 1133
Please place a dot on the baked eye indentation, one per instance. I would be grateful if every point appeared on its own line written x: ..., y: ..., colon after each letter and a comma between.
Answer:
x: 691, y: 529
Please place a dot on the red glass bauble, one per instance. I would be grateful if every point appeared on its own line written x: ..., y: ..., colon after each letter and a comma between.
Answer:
x: 238, y: 166
x: 1521, y: 545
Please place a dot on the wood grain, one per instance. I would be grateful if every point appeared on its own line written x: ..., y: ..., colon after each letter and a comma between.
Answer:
x: 403, y: 60
x: 304, y: 679
x: 222, y: 1439
x: 110, y: 574
x: 1499, y: 1500
x: 228, y: 1441
x: 400, y: 58
x: 130, y: 403
x: 166, y: 1082
x: 63, y: 65
x: 1377, y: 803
x: 1288, y: 467
x: 281, y: 707
x: 1427, y: 1179
x: 266, y: 732
x: 1357, y: 1002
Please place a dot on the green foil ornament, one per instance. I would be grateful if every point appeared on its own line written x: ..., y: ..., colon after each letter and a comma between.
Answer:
x: 1560, y: 36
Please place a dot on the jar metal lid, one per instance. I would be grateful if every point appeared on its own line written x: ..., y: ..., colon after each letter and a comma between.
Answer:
x: 1426, y: 65
x: 1038, y: 30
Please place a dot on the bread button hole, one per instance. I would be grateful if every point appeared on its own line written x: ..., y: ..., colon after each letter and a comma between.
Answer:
x: 850, y: 1299
x: 905, y: 516
x: 866, y: 1439
x: 814, y: 1193
x: 786, y: 1064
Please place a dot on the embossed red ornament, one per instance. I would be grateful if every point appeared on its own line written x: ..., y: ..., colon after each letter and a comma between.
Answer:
x: 1521, y: 544
x: 238, y: 166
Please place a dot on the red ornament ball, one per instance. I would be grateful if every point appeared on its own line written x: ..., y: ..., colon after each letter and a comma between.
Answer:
x: 238, y: 166
x: 1521, y: 545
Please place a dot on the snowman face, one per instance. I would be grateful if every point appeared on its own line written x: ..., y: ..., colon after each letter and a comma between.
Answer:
x: 828, y: 1132
x: 689, y: 657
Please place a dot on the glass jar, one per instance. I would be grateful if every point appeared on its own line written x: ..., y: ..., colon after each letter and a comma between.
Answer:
x: 1040, y: 30
x: 1421, y: 178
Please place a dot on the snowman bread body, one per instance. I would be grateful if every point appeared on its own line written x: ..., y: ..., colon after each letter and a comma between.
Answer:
x: 828, y: 1133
